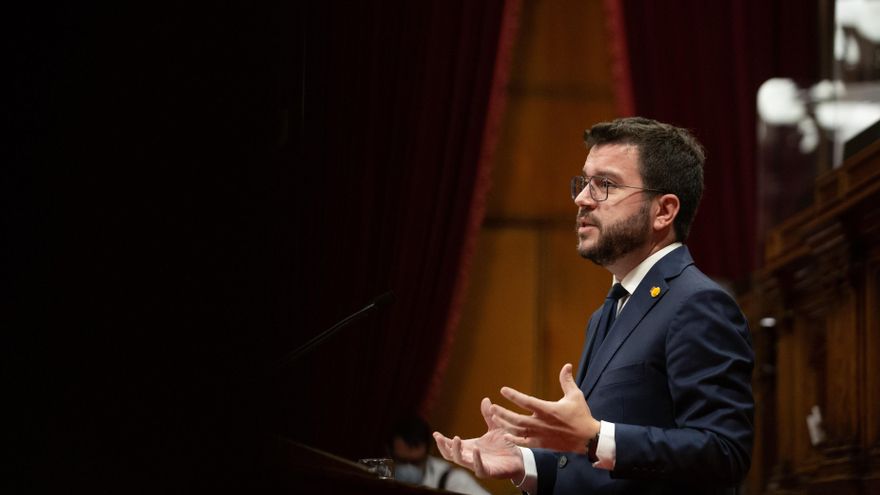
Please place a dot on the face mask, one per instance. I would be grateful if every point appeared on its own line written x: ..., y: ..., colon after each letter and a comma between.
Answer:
x: 409, y: 473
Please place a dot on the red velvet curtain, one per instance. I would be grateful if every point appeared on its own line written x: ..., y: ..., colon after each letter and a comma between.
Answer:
x: 195, y: 191
x: 401, y: 102
x: 698, y: 65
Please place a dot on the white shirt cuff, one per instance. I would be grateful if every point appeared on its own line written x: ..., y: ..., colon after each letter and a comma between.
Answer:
x: 529, y: 483
x: 606, y: 450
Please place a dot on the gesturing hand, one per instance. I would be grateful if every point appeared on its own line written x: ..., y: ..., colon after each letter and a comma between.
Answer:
x: 564, y: 425
x: 490, y: 456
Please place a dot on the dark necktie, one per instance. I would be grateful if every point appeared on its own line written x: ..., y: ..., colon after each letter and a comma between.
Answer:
x: 606, y: 317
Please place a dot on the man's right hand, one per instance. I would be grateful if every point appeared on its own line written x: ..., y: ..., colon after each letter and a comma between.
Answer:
x: 490, y: 456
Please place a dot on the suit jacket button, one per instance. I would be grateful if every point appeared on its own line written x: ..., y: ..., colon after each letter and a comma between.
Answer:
x: 562, y: 461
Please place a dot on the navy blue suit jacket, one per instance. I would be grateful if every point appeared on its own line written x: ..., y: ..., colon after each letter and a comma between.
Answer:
x: 674, y: 375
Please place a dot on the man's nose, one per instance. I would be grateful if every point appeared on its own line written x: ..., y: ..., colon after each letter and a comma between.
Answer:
x: 584, y: 199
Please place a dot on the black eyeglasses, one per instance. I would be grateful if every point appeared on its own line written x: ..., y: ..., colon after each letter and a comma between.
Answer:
x: 599, y: 187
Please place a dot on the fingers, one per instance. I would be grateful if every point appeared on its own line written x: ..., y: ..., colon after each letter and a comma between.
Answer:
x: 444, y: 445
x: 485, y: 406
x: 566, y: 380
x: 525, y: 401
x: 453, y: 450
x: 512, y: 422
x: 456, y: 451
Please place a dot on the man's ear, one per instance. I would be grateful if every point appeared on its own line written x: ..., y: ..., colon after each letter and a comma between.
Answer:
x: 667, y: 209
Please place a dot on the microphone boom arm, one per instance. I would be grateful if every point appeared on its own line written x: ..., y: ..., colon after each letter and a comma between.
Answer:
x: 295, y: 354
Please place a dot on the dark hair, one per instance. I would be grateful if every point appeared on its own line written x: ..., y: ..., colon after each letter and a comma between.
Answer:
x: 413, y: 430
x: 670, y: 160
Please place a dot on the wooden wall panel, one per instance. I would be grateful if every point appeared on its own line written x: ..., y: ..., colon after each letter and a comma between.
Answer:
x: 573, y: 288
x: 564, y: 49
x: 496, y: 343
x: 785, y: 436
x: 541, y: 149
x: 843, y: 358
x: 870, y: 375
x: 808, y: 360
x: 560, y: 85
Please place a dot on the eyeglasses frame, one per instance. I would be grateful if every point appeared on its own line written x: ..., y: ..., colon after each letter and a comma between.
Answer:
x: 588, y: 184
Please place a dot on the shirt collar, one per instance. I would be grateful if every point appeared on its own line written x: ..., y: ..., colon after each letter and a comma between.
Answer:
x: 632, y: 279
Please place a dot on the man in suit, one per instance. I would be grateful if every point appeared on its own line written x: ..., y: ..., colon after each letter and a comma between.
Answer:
x: 662, y: 401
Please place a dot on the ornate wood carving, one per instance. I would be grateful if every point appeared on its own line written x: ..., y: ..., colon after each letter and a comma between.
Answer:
x: 821, y: 283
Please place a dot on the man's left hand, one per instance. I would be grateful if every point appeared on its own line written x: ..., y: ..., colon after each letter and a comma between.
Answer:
x: 565, y: 425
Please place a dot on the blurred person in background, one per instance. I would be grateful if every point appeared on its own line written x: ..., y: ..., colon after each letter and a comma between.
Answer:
x: 409, y: 445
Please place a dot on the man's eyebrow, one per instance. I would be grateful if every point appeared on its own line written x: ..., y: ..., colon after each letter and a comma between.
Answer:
x: 607, y: 175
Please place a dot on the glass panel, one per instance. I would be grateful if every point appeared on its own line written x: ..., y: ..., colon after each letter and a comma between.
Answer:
x: 808, y: 127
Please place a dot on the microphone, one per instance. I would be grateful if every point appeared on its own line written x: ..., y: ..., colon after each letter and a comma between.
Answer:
x: 291, y: 357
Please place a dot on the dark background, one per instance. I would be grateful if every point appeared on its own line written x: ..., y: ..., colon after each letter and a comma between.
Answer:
x: 191, y: 192
x: 148, y: 209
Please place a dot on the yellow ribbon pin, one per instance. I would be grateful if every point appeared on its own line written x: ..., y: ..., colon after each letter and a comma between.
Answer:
x: 655, y: 291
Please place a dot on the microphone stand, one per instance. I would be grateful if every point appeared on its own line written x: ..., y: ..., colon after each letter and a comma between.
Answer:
x: 295, y: 354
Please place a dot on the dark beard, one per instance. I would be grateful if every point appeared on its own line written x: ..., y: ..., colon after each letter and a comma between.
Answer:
x: 620, y: 238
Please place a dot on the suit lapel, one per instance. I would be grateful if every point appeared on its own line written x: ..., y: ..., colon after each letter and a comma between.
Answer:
x: 591, y: 334
x: 649, y: 292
